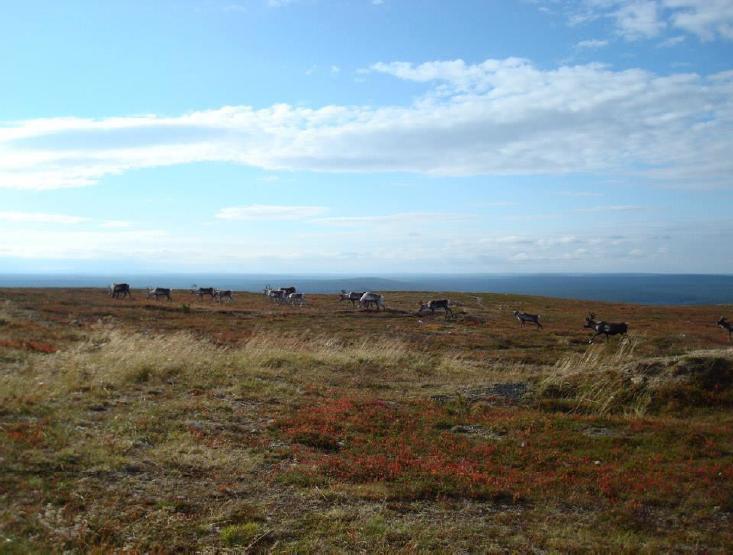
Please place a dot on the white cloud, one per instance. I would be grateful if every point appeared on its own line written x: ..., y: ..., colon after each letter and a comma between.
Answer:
x: 611, y: 208
x: 39, y: 217
x: 592, y: 43
x: 83, y: 245
x: 404, y: 218
x: 637, y: 19
x: 672, y: 41
x: 708, y: 19
x: 498, y: 117
x: 115, y: 224
x: 269, y: 212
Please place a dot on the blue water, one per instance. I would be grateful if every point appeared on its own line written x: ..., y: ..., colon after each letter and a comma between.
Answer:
x: 634, y: 288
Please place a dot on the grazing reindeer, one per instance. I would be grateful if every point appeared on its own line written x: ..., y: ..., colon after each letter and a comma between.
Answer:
x: 604, y: 328
x: 221, y: 294
x: 275, y: 295
x: 369, y: 298
x: 296, y: 298
x: 120, y: 290
x: 158, y: 292
x: 432, y: 306
x: 352, y: 296
x: 525, y: 317
x: 201, y: 291
x: 723, y: 323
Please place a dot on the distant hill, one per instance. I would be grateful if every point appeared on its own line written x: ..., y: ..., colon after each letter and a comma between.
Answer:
x: 633, y: 288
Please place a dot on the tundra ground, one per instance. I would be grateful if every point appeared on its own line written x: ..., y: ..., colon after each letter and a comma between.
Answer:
x: 135, y: 425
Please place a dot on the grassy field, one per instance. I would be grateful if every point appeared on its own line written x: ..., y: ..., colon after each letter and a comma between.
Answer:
x: 250, y: 427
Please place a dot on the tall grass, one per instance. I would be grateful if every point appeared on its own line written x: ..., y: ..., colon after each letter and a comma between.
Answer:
x: 112, y: 358
x: 602, y: 381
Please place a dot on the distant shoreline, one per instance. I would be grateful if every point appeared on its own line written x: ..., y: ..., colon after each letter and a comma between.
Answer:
x: 655, y: 289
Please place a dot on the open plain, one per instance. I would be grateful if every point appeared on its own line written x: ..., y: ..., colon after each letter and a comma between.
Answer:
x: 157, y: 426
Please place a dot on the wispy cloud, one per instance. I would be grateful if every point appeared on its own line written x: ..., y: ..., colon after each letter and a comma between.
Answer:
x: 592, y: 43
x: 40, y: 217
x: 645, y: 19
x: 269, y: 212
x: 115, y: 224
x: 611, y: 208
x: 498, y: 117
x: 579, y: 194
x: 403, y: 218
x: 671, y: 41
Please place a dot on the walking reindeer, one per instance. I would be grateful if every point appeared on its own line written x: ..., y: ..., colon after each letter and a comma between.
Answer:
x: 352, y: 296
x: 604, y: 328
x: 159, y: 292
x: 222, y: 295
x: 201, y: 292
x: 524, y: 317
x: 432, y: 306
x: 723, y: 323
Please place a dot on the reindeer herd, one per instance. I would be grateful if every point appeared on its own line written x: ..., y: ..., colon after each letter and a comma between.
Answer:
x: 368, y: 299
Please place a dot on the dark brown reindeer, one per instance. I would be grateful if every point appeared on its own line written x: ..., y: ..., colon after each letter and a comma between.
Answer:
x: 352, y: 296
x: 723, y: 323
x: 526, y: 317
x: 120, y: 290
x: 159, y: 292
x: 221, y: 295
x: 432, y: 306
x: 604, y: 328
x: 200, y: 292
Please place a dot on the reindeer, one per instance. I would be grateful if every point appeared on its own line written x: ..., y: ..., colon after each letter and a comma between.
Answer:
x: 604, y: 328
x: 526, y: 317
x: 295, y: 298
x: 221, y: 294
x: 275, y: 295
x: 287, y: 290
x: 201, y: 291
x: 432, y: 306
x: 352, y: 296
x: 158, y: 292
x: 120, y: 290
x: 723, y: 323
x: 369, y: 298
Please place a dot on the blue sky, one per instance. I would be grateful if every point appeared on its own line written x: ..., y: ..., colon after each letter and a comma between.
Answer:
x: 366, y: 136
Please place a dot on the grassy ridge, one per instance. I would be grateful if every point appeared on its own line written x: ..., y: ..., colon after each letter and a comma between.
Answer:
x: 189, y: 425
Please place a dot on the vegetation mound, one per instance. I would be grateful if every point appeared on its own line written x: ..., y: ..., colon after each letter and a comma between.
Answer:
x: 598, y: 382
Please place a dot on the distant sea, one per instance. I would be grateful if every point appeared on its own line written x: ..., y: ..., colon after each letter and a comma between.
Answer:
x: 672, y: 289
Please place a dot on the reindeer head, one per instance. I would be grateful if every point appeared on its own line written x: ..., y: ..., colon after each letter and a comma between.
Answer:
x: 723, y: 321
x: 590, y: 320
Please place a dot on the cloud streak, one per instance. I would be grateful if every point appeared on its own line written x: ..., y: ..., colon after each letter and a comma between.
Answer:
x: 40, y: 217
x: 269, y: 212
x: 498, y: 117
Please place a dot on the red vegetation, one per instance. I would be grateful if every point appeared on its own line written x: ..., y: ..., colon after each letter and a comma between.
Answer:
x: 38, y: 346
x: 418, y: 450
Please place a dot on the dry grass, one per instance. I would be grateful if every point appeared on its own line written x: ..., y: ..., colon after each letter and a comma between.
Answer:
x: 148, y: 427
x: 604, y: 382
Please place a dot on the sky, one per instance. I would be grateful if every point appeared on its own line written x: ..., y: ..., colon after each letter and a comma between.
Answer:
x: 366, y: 136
